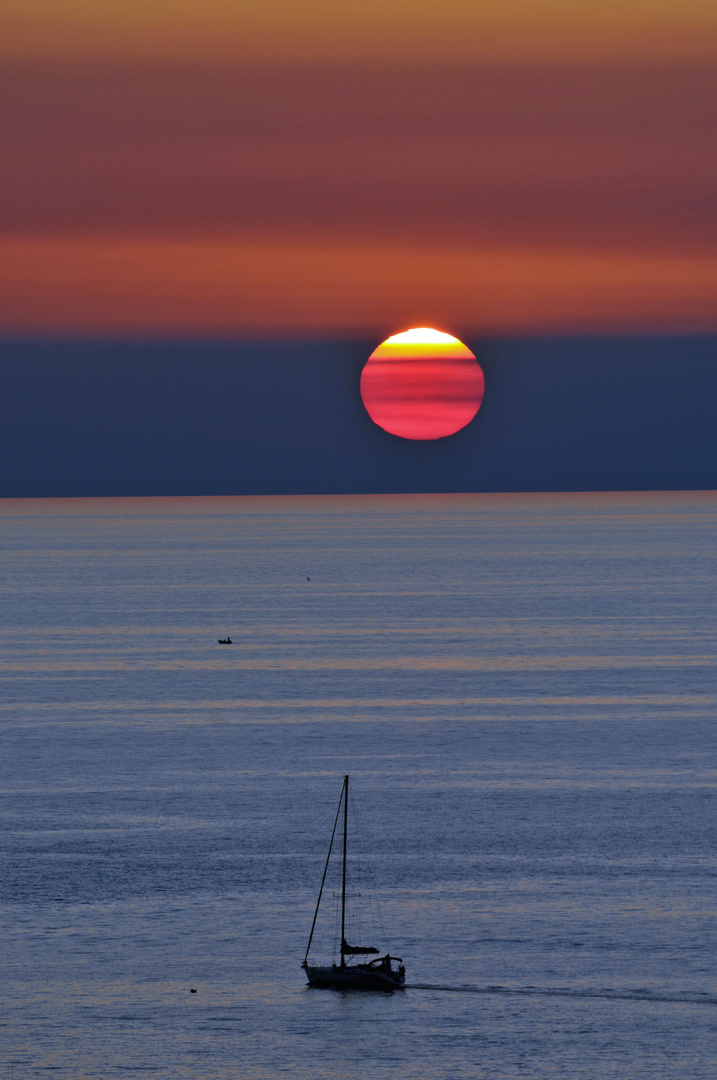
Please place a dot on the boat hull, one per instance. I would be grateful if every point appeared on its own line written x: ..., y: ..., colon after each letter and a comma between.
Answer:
x: 353, y: 977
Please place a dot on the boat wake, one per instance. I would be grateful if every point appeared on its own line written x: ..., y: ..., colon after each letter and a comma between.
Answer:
x: 607, y: 994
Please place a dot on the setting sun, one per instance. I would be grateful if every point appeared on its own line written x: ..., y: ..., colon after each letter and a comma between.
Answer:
x: 422, y: 384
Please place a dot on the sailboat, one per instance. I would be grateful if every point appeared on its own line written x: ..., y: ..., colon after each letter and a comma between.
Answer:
x: 382, y: 973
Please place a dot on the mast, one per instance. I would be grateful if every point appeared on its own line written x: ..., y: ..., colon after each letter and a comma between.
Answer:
x: 343, y: 881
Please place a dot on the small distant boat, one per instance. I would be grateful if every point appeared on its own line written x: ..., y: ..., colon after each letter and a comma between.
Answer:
x: 384, y: 973
x: 225, y: 641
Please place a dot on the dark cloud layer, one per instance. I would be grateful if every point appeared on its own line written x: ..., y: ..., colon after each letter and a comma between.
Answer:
x: 575, y: 414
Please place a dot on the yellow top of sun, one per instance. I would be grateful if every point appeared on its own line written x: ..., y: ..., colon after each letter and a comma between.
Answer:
x: 422, y: 342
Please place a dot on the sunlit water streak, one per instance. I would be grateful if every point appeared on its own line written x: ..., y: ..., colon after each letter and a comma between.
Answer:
x: 524, y: 691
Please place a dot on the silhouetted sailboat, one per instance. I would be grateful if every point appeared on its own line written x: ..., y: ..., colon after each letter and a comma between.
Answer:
x: 379, y: 974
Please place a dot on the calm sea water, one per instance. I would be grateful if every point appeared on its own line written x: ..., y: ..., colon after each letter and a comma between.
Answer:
x: 523, y: 691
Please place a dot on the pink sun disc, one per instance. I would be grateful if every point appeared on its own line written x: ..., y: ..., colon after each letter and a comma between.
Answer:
x: 422, y: 384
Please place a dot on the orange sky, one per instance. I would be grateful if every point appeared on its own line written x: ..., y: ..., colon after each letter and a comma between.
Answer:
x: 364, y: 30
x: 281, y: 167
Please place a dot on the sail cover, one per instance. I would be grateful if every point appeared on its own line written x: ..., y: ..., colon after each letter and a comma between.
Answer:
x: 357, y: 950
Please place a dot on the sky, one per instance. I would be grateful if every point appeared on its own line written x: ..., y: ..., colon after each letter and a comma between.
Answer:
x: 302, y: 167
x: 597, y: 413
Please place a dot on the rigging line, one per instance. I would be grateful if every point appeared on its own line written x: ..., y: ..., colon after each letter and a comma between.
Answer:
x: 343, y: 880
x: 333, y: 834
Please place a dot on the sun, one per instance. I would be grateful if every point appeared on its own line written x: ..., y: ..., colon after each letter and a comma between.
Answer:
x: 422, y: 384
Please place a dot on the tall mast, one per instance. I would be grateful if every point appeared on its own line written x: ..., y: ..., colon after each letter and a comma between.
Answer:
x: 343, y: 883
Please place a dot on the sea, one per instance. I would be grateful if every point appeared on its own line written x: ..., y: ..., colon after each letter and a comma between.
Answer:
x: 522, y: 689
